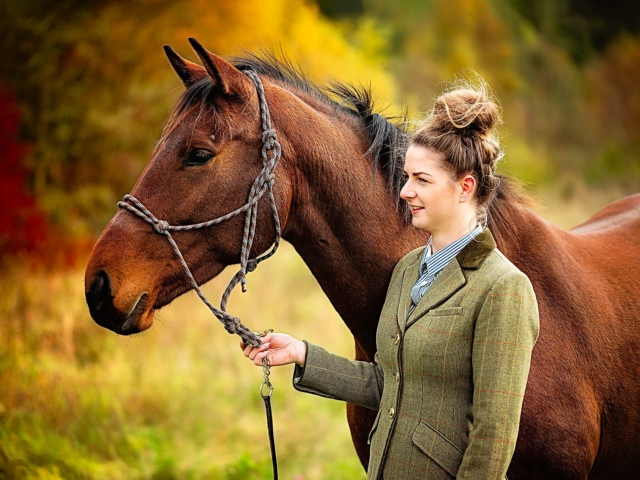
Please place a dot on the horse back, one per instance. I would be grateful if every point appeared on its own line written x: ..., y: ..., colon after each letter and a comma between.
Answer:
x: 588, y: 355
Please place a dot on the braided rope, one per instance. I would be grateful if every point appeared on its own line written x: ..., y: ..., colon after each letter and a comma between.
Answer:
x: 271, y: 152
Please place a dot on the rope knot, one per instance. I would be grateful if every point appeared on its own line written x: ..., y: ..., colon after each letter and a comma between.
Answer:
x: 269, y: 179
x: 252, y: 265
x: 269, y: 139
x: 162, y: 226
x: 231, y: 325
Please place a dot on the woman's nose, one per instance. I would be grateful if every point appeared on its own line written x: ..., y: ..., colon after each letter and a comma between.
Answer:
x: 407, y: 192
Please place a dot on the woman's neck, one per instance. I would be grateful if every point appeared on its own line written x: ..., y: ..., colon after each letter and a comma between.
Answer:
x: 440, y: 239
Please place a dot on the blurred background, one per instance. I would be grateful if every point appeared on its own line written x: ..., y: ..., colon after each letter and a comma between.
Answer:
x: 84, y: 90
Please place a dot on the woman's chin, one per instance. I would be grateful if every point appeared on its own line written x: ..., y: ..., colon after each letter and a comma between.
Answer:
x: 419, y: 223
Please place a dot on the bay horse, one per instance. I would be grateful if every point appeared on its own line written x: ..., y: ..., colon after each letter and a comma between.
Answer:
x: 336, y: 190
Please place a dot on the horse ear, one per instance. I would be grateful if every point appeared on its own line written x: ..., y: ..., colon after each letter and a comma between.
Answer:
x: 227, y: 78
x: 188, y: 72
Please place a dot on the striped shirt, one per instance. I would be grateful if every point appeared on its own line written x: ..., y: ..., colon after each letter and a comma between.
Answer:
x: 432, y: 265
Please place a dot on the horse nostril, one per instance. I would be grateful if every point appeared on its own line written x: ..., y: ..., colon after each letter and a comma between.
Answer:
x: 99, y: 294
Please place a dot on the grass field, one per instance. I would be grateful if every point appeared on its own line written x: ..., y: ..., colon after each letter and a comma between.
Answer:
x: 179, y: 401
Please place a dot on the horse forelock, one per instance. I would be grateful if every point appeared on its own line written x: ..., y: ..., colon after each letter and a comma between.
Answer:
x: 201, y: 97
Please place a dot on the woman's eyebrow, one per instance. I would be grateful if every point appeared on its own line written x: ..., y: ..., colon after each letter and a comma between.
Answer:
x: 422, y: 173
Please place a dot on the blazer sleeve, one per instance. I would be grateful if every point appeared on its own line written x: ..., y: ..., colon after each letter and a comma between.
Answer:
x: 336, y: 377
x: 504, y: 335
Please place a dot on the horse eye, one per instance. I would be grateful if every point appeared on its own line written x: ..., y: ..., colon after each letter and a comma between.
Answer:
x: 197, y: 157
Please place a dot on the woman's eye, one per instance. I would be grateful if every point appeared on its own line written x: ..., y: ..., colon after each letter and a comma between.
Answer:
x: 197, y: 157
x: 422, y: 180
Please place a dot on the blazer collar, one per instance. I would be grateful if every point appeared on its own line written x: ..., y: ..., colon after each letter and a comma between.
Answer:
x: 475, y: 252
x: 449, y: 281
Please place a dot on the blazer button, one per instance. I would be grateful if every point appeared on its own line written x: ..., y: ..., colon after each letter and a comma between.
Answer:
x: 396, y: 376
x: 396, y: 339
x: 392, y: 412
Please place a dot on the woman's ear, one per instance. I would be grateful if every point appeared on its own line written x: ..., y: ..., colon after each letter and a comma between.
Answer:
x: 468, y: 185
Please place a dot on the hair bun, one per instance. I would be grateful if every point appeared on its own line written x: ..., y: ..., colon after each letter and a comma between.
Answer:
x: 466, y: 111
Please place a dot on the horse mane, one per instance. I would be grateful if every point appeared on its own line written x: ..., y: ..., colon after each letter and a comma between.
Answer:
x: 505, y: 211
x: 388, y: 136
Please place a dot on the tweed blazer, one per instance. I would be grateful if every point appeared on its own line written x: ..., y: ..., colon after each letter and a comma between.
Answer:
x: 447, y: 381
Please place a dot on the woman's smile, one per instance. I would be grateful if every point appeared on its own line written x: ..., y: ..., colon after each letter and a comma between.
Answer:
x: 415, y: 209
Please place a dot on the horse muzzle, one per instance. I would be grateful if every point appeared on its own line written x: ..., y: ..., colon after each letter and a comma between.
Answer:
x: 100, y: 299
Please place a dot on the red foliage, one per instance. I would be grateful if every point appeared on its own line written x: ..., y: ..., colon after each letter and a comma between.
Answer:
x: 24, y: 228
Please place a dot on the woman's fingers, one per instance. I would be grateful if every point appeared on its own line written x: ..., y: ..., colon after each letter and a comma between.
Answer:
x: 279, y: 348
x: 259, y: 357
x: 256, y: 351
x: 247, y: 348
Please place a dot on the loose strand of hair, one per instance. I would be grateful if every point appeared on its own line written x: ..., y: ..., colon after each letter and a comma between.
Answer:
x: 453, y: 122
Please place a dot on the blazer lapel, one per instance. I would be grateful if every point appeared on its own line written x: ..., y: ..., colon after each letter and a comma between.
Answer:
x: 448, y: 282
x: 410, y: 277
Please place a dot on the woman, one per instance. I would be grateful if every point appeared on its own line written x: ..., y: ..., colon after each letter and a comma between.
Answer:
x: 458, y: 325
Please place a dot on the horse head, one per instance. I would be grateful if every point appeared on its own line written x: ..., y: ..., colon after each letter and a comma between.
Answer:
x: 202, y: 168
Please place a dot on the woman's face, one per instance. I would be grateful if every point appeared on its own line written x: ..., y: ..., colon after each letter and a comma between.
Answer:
x: 430, y: 191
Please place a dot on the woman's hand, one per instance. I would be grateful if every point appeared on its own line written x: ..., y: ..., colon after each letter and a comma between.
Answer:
x: 281, y: 349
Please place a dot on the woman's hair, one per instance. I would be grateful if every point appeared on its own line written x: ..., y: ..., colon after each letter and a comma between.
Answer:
x: 462, y: 127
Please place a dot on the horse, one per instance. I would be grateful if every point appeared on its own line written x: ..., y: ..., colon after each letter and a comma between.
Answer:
x: 336, y: 192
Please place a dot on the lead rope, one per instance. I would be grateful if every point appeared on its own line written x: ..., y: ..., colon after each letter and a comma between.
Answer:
x: 271, y: 152
x: 266, y: 390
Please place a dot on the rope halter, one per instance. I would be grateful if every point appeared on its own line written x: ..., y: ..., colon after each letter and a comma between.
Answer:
x: 271, y: 152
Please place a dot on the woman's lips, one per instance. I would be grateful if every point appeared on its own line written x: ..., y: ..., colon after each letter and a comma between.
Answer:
x: 415, y: 210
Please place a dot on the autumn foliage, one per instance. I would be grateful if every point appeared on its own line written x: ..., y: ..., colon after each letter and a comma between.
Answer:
x: 25, y: 230
x: 94, y: 87
x: 23, y: 226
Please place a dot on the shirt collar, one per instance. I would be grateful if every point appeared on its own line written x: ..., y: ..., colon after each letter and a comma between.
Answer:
x: 433, y: 263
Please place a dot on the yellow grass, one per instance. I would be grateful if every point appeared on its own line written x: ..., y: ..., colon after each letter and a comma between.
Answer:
x: 179, y: 401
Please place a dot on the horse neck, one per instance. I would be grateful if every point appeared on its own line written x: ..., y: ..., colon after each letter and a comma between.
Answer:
x: 343, y: 219
x: 524, y: 238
